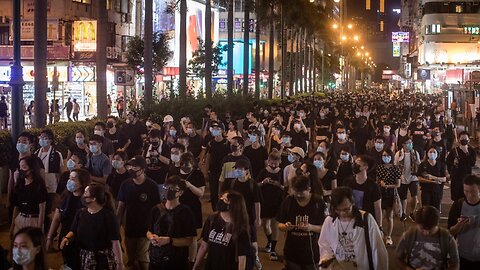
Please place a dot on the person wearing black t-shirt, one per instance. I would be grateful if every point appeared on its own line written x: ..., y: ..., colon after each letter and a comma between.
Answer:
x: 225, y: 236
x: 301, y: 216
x: 255, y: 152
x: 215, y: 151
x: 327, y: 177
x: 119, y: 173
x: 171, y: 230
x: 432, y: 177
x: 80, y: 145
x: 116, y: 135
x: 136, y: 131
x: 76, y: 161
x: 157, y: 155
x: 96, y: 231
x: 299, y: 134
x: 366, y: 191
x: 195, y: 188
x: 70, y: 203
x: 419, y: 137
x: 24, y: 148
x: 29, y: 197
x: 270, y: 180
x: 439, y: 143
x: 136, y: 198
x: 246, y: 185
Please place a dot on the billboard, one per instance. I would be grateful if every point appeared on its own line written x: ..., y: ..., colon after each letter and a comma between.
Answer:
x: 400, y: 37
x: 396, y: 49
x: 423, y: 74
x: 27, y: 27
x: 85, y: 36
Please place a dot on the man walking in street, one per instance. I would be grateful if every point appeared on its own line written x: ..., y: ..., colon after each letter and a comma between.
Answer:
x: 69, y: 108
x: 3, y: 113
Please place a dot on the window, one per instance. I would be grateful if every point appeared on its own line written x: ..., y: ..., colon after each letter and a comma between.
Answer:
x: 451, y: 7
x: 83, y: 1
x: 458, y: 9
x: 433, y: 29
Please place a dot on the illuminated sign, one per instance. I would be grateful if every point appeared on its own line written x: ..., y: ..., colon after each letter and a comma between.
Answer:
x: 82, y: 74
x: 29, y: 73
x: 423, y: 74
x: 396, y: 49
x: 85, y: 36
x: 28, y: 28
x: 400, y: 37
x: 471, y: 30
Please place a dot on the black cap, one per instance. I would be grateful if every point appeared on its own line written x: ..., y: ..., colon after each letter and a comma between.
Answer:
x: 137, y: 161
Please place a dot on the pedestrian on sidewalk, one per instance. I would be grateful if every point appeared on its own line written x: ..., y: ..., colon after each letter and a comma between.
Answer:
x: 76, y: 109
x: 69, y: 108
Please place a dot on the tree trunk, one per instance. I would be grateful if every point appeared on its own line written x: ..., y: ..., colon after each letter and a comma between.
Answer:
x: 230, y: 49
x: 208, y: 49
x: 16, y: 77
x: 314, y: 74
x: 182, y: 89
x: 297, y: 62
x: 257, y: 58
x: 282, y: 28
x: 271, y: 56
x: 305, y: 61
x: 40, y: 63
x: 246, y: 45
x: 148, y: 54
x: 300, y: 60
x: 102, y: 19
x: 292, y: 63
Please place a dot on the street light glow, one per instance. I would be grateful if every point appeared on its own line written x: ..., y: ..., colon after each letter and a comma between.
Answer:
x: 350, y: 26
x: 363, y: 47
x: 336, y: 1
x: 356, y: 38
x: 335, y: 26
x: 344, y: 38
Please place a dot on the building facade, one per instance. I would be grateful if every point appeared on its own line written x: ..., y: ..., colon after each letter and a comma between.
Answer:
x: 71, y: 45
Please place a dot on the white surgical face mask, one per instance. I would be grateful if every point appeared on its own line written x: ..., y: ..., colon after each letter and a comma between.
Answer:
x: 22, y: 256
x: 341, y: 136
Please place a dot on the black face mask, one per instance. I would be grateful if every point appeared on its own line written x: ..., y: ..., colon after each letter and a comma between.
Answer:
x: 22, y: 174
x: 222, y: 206
x: 356, y: 168
x: 234, y: 148
x: 133, y: 173
x: 464, y: 142
x: 171, y: 194
x: 155, y: 144
x: 84, y: 201
x: 109, y: 125
x: 300, y: 198
x: 186, y: 169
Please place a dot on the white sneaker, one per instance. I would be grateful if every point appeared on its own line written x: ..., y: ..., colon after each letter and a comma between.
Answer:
x: 388, y: 241
x: 258, y: 264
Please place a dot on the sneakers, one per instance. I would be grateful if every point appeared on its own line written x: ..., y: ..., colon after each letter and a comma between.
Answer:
x: 388, y: 241
x: 412, y: 217
x: 268, y: 247
x: 258, y: 264
x: 403, y: 217
x: 273, y: 256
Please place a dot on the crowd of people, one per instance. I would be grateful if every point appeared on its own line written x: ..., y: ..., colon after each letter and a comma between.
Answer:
x: 329, y: 173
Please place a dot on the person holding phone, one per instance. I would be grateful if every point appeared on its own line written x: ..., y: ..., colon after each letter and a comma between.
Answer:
x: 464, y: 223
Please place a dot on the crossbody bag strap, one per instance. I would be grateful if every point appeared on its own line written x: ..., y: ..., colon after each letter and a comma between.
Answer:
x: 367, y: 241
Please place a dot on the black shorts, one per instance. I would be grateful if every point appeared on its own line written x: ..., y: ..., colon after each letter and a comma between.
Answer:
x: 404, y: 188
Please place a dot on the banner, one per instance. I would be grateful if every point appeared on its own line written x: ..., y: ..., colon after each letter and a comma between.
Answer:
x: 85, y: 36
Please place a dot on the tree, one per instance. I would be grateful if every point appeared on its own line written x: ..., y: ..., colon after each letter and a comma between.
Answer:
x: 197, y: 66
x: 161, y: 52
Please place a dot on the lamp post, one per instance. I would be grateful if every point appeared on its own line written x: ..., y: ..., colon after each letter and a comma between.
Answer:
x: 16, y: 78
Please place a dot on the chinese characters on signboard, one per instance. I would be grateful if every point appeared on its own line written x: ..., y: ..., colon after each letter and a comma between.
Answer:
x: 397, y: 39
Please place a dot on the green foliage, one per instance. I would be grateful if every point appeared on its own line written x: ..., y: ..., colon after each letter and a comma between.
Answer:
x: 237, y: 104
x: 196, y: 65
x: 161, y: 52
x: 6, y: 148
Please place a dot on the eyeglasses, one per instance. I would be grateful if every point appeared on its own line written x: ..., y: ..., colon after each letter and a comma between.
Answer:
x: 171, y: 188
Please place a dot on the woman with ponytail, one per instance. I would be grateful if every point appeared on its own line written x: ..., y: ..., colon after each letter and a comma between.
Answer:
x: 96, y: 231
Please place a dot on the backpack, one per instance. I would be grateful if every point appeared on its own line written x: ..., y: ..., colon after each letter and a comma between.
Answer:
x: 443, y: 240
